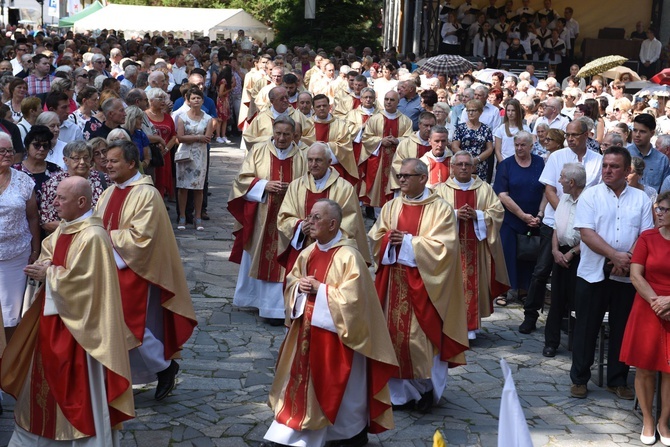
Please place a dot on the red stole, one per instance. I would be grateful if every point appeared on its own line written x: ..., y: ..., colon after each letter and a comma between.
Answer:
x: 438, y: 172
x: 421, y: 150
x: 60, y: 373
x: 328, y: 365
x: 356, y: 102
x: 288, y: 258
x: 134, y: 289
x: 469, y: 258
x: 380, y: 164
x: 322, y: 131
x: 406, y: 295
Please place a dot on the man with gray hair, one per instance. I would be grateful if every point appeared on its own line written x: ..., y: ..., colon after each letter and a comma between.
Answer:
x: 130, y: 76
x: 466, y: 95
x: 612, y: 139
x: 490, y: 115
x: 115, y: 117
x: 255, y: 200
x: 552, y: 115
x: 438, y: 158
x: 410, y: 102
x: 320, y: 180
x: 156, y: 80
x: 415, y: 246
x: 576, y: 152
x: 99, y: 63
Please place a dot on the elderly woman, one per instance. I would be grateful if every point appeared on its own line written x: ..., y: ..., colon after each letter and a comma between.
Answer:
x: 504, y: 134
x: 80, y: 77
x: 636, y: 171
x: 520, y: 191
x: 52, y: 122
x: 441, y: 110
x: 99, y: 149
x: 539, y: 145
x: 474, y: 137
x: 19, y: 234
x: 38, y: 145
x: 18, y: 89
x: 565, y: 249
x: 166, y: 129
x: 194, y: 131
x: 645, y: 339
x: 133, y: 124
x: 78, y: 158
x: 88, y: 104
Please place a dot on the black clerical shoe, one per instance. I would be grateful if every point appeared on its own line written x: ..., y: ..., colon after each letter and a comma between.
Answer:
x: 426, y: 402
x: 406, y: 406
x: 166, y: 380
x: 359, y: 440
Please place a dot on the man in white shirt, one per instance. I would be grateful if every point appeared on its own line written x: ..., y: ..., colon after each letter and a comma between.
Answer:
x: 491, y: 114
x: 576, y: 152
x: 610, y: 217
x: 178, y: 74
x: 650, y: 52
x: 552, y: 116
x: 21, y: 49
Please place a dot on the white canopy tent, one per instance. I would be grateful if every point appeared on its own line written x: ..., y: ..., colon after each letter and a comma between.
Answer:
x: 142, y: 19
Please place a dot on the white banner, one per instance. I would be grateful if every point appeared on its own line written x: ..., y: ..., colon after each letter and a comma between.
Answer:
x: 53, y: 10
x: 310, y: 9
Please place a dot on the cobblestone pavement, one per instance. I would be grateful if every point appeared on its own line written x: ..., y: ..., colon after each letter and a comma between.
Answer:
x: 227, y: 368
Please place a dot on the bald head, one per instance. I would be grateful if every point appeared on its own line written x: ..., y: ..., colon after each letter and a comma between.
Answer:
x: 391, y: 100
x: 73, y: 198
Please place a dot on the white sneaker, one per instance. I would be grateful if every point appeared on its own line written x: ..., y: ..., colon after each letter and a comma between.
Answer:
x: 220, y: 140
x: 226, y: 140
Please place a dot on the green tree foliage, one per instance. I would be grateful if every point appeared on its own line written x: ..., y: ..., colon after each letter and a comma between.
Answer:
x: 338, y: 22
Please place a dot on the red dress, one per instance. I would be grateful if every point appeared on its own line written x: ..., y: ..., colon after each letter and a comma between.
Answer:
x: 223, y: 103
x: 646, y: 342
x: 164, y: 182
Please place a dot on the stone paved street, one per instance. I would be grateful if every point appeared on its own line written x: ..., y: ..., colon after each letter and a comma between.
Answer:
x: 227, y: 368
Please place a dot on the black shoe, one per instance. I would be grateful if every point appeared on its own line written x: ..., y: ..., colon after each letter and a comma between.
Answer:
x: 407, y: 406
x: 204, y: 216
x: 370, y: 212
x: 276, y: 322
x: 548, y: 351
x: 527, y: 327
x: 426, y: 402
x: 359, y: 440
x: 166, y: 380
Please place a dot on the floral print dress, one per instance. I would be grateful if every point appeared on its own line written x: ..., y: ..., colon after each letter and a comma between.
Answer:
x: 191, y: 174
x: 474, y: 141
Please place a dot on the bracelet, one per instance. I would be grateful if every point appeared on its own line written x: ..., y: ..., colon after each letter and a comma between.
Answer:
x: 478, y: 158
x: 574, y: 253
x: 629, y: 253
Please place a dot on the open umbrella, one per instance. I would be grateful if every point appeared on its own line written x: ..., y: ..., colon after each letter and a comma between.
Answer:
x: 601, y: 64
x: 662, y: 78
x: 486, y: 74
x: 655, y: 90
x: 616, y: 72
x: 447, y: 64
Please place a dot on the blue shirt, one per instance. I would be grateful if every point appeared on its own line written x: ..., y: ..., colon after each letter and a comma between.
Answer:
x: 208, y: 106
x: 412, y: 109
x: 656, y: 166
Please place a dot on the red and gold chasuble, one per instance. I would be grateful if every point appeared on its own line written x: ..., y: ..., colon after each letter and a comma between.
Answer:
x: 438, y: 172
x: 323, y: 134
x: 59, y: 375
x: 469, y: 264
x: 422, y: 150
x: 327, y: 366
x: 408, y: 296
x: 135, y: 290
x: 356, y: 102
x: 380, y: 164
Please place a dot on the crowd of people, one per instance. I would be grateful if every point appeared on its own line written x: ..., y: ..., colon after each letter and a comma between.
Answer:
x: 478, y: 192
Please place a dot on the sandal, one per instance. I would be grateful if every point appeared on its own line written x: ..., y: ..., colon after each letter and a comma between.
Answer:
x: 181, y: 225
x: 501, y: 301
x: 198, y: 224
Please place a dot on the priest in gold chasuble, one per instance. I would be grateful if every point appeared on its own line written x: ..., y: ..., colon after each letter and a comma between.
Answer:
x: 331, y: 379
x: 479, y: 215
x: 419, y: 281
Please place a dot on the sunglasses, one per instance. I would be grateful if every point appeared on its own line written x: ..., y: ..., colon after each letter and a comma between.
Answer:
x: 590, y: 91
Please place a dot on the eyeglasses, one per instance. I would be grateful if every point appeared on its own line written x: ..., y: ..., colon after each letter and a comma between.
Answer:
x: 45, y: 146
x: 78, y: 160
x: 83, y: 76
x: 7, y: 151
x: 402, y: 176
x: 661, y: 210
x: 574, y: 135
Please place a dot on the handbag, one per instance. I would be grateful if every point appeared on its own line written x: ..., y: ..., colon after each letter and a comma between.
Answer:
x: 183, y: 154
x: 527, y: 247
x: 157, y: 160
x: 32, y: 286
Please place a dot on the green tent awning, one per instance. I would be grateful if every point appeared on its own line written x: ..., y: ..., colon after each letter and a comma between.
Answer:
x: 68, y: 22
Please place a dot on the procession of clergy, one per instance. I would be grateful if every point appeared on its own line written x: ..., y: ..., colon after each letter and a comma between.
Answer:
x: 357, y: 347
x: 91, y: 333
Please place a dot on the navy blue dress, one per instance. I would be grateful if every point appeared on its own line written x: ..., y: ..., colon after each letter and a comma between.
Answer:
x: 523, y: 186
